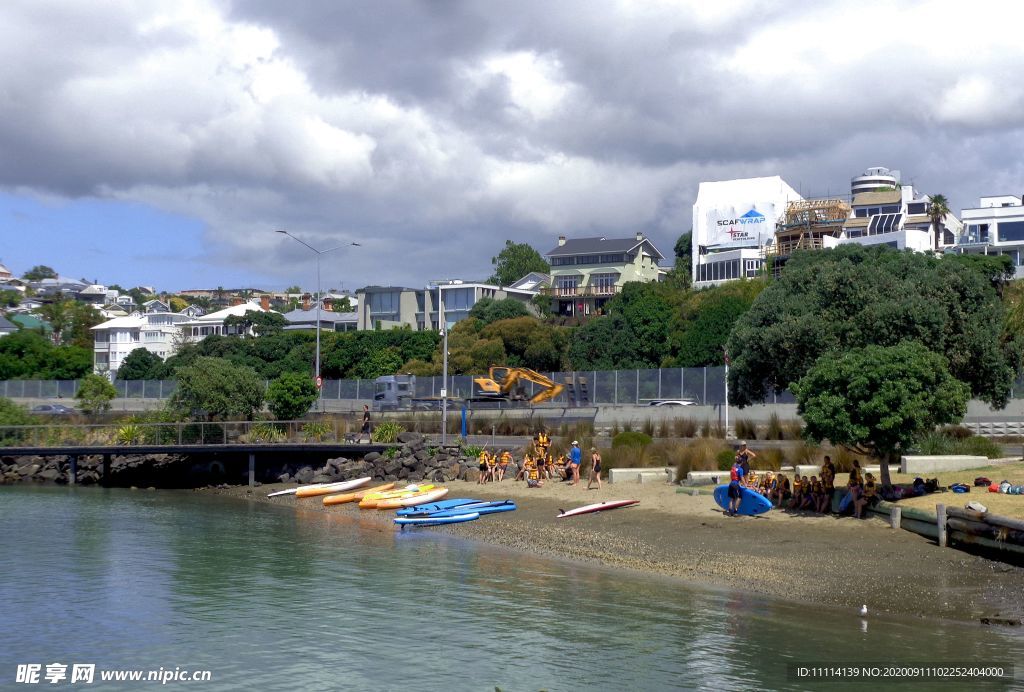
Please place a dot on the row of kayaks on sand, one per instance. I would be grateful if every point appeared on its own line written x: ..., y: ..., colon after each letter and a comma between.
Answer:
x: 422, y: 504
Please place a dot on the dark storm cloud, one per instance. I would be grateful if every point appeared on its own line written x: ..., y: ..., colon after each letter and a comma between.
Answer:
x: 433, y: 131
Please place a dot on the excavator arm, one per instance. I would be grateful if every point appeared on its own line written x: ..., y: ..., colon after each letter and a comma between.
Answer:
x: 508, y: 378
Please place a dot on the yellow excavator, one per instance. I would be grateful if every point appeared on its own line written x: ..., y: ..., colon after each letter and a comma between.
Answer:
x: 503, y: 383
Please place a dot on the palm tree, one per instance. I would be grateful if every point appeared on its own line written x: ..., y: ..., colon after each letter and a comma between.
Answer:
x: 937, y: 213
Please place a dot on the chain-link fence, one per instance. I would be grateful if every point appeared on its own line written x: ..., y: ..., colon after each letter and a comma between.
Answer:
x: 705, y: 386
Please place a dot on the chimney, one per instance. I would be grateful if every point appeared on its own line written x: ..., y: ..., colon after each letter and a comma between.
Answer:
x: 265, y: 302
x: 236, y: 300
x: 639, y: 236
x: 561, y: 240
x: 328, y: 306
x: 305, y: 302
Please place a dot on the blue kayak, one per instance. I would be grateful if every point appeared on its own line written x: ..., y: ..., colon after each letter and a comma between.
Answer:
x: 420, y: 510
x: 480, y: 508
x: 436, y: 521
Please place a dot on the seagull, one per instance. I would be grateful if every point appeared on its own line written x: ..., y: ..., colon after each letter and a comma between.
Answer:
x: 863, y: 610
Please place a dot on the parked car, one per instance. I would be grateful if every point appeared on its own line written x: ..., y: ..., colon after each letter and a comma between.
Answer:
x: 54, y: 410
x: 673, y: 402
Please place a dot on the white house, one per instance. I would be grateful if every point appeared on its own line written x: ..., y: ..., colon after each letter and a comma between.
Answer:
x: 115, y: 339
x: 198, y: 328
x: 995, y: 227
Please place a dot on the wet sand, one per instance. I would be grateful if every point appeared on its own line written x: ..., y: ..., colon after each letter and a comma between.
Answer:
x: 821, y: 560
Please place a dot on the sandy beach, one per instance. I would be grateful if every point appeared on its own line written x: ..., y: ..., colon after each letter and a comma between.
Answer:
x: 819, y: 560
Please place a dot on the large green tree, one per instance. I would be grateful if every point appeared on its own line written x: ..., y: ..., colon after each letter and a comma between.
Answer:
x: 830, y: 301
x: 680, y: 276
x: 706, y: 321
x: 39, y: 272
x: 291, y: 395
x: 256, y: 323
x: 141, y: 364
x: 644, y: 313
x: 488, y: 310
x: 515, y: 261
x: 218, y: 389
x: 879, y: 399
x: 28, y: 355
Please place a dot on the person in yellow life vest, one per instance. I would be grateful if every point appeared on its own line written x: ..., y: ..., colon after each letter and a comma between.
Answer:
x: 542, y: 442
x: 870, y: 490
x: 562, y: 467
x: 856, y: 475
x: 828, y: 475
x: 798, y: 493
x: 521, y: 474
x: 533, y: 479
x: 483, y: 462
x: 503, y: 462
x: 492, y: 466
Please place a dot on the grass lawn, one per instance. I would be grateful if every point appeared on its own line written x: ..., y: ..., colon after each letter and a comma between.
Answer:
x: 997, y: 503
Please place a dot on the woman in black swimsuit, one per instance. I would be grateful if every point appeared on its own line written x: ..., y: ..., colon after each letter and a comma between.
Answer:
x: 595, y: 468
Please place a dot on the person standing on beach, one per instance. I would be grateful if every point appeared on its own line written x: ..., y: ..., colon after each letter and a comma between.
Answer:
x: 735, y: 483
x: 745, y: 455
x: 595, y: 468
x: 575, y: 459
x: 365, y: 430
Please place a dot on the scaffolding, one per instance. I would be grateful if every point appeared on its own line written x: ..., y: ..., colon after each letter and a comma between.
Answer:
x: 805, y: 226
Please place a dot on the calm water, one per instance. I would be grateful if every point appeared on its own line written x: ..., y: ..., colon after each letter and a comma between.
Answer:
x: 269, y: 598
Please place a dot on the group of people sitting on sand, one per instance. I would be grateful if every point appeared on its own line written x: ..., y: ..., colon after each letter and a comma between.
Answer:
x: 540, y: 465
x: 812, y: 494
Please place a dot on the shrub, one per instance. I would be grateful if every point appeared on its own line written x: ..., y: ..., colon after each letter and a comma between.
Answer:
x: 12, y: 414
x: 616, y: 428
x: 391, y: 452
x: 472, y: 451
x: 699, y: 455
x: 956, y: 432
x: 712, y: 429
x: 626, y: 456
x: 793, y: 429
x: 129, y: 434
x: 774, y: 430
x: 935, y: 443
x: 746, y: 429
x: 806, y: 453
x: 843, y: 460
x: 979, y: 446
x: 648, y: 427
x: 387, y: 432
x: 317, y: 430
x: 685, y: 427
x: 770, y: 459
x: 631, y: 439
x: 95, y: 394
x: 725, y: 459
x: 266, y: 432
x: 664, y: 428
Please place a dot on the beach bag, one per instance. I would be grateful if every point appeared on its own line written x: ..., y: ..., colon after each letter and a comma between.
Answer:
x: 931, y: 485
x: 976, y: 507
x: 993, y: 488
x: 982, y: 481
x: 1004, y: 487
x: 960, y: 488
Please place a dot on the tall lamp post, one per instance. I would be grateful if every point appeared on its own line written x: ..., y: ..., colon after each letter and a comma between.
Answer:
x: 318, y: 300
x: 444, y: 354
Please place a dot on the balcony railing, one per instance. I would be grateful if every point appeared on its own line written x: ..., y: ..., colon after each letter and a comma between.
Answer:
x: 972, y: 240
x: 580, y: 291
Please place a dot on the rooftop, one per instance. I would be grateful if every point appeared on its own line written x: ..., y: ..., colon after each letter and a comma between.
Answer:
x: 600, y: 245
x: 883, y: 197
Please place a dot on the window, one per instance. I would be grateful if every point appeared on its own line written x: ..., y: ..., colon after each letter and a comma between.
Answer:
x: 101, y: 337
x: 1007, y: 231
x: 891, y: 209
x: 383, y: 302
x: 566, y: 285
x: 884, y: 223
x: 588, y: 259
x: 916, y: 208
x: 861, y: 213
x: 603, y: 283
x: 613, y: 259
x: 562, y: 261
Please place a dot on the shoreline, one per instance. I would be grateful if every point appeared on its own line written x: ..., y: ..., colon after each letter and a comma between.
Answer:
x: 818, y: 560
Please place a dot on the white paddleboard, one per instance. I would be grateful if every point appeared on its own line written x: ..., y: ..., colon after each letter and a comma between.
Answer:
x: 596, y: 507
x: 331, y: 487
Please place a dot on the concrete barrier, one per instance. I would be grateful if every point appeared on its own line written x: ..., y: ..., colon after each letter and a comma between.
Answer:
x: 812, y: 470
x: 642, y: 475
x: 706, y: 477
x: 938, y: 464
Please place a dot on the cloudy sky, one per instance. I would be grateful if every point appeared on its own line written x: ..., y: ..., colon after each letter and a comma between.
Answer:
x: 162, y: 142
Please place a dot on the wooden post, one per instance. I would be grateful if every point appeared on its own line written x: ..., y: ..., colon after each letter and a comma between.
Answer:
x: 252, y: 469
x: 896, y: 517
x: 940, y: 519
x: 73, y: 469
x: 106, y: 470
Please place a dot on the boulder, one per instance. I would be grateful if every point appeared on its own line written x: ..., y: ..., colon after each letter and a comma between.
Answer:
x: 419, y: 468
x: 49, y: 474
x: 322, y: 478
x: 304, y: 475
x: 421, y: 455
x: 403, y: 473
x: 284, y: 478
x: 29, y: 470
x: 410, y: 437
x: 372, y: 457
x: 389, y: 478
x: 391, y: 468
x: 471, y: 474
x: 409, y: 462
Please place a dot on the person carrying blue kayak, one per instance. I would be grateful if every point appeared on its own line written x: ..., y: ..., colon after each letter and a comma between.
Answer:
x: 735, y: 483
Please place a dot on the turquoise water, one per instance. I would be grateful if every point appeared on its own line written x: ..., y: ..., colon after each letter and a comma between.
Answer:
x: 272, y: 598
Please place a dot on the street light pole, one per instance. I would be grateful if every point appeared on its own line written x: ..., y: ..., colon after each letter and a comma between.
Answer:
x: 443, y: 326
x: 318, y: 299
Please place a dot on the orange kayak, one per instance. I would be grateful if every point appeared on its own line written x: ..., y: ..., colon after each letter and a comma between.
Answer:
x: 358, y: 495
x: 414, y: 499
x: 331, y: 488
x: 370, y: 500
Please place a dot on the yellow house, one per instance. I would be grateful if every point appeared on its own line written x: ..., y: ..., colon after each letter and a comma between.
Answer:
x: 587, y: 272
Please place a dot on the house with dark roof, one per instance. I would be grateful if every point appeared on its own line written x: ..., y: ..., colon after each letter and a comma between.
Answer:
x: 587, y: 272
x: 7, y: 327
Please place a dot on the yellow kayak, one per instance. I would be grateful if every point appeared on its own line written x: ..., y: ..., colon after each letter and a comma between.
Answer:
x: 370, y: 500
x: 358, y: 495
x: 414, y: 499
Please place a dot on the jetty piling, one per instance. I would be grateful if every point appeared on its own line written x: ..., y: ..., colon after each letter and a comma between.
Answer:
x: 896, y: 517
x: 940, y: 521
x: 252, y: 469
x: 72, y: 469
